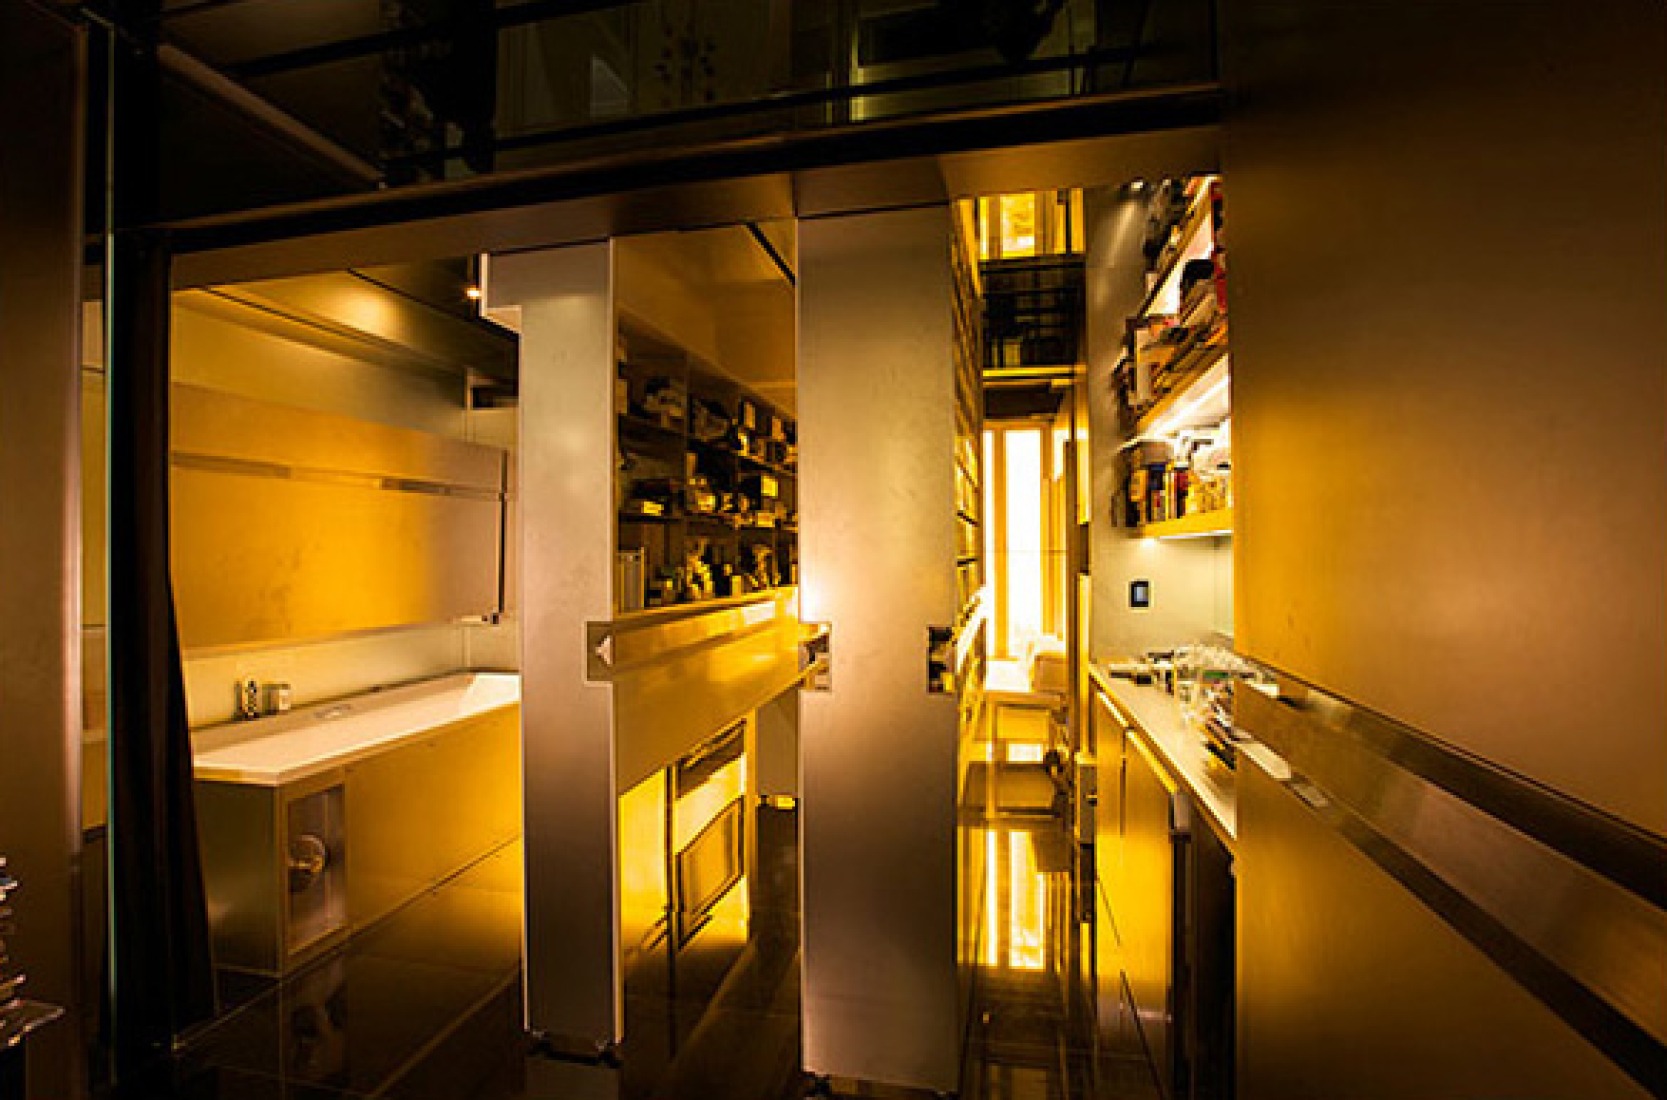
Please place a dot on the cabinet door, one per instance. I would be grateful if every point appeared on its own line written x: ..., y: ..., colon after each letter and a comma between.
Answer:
x: 1112, y: 1021
x: 1146, y: 904
x: 1108, y: 815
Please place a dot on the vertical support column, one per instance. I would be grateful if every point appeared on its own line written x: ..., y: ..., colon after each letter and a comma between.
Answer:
x: 564, y: 298
x: 877, y: 552
x: 41, y: 98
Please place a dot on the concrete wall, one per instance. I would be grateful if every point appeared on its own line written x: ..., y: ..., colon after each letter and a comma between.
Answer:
x: 1448, y: 249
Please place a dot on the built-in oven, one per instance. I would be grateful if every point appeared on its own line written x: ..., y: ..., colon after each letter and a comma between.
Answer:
x: 708, y: 821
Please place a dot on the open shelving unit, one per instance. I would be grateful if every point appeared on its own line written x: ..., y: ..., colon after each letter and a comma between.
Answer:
x: 1174, y: 380
x: 1193, y: 525
x: 707, y: 473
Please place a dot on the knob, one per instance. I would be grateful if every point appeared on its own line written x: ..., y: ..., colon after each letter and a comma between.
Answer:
x: 308, y: 857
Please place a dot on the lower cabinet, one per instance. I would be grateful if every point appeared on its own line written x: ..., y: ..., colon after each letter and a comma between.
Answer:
x: 1149, y: 905
x: 1166, y: 934
x: 292, y: 869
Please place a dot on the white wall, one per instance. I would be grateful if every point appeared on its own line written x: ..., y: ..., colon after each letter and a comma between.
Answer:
x: 1191, y: 579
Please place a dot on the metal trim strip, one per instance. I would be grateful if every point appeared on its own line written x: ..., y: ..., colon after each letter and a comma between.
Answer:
x: 1630, y: 1046
x: 1630, y: 857
x: 249, y: 467
x: 1499, y: 859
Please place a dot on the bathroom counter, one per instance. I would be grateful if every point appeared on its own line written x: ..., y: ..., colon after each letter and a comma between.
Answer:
x: 285, y: 748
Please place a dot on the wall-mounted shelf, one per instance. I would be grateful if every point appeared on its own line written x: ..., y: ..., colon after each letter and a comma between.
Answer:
x: 1201, y: 395
x: 1215, y: 524
x: 1196, y: 242
x: 1173, y: 383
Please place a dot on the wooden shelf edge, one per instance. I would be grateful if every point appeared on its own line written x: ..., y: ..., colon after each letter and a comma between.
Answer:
x: 1199, y: 524
x: 1206, y: 359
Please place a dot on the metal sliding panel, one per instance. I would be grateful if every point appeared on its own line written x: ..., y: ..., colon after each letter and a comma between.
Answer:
x: 564, y: 298
x: 1538, y: 925
x: 1350, y: 986
x: 1418, y: 528
x: 41, y: 99
x: 877, y: 552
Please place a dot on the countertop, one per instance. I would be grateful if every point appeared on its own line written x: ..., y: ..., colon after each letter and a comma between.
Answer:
x: 1157, y: 717
x: 271, y: 752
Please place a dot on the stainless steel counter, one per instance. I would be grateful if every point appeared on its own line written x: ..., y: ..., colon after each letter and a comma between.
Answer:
x: 1156, y: 718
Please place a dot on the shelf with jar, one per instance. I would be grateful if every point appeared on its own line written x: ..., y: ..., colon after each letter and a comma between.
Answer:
x: 1173, y: 383
x: 706, y: 480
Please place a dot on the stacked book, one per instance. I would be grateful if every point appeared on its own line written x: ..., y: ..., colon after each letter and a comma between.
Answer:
x: 11, y: 979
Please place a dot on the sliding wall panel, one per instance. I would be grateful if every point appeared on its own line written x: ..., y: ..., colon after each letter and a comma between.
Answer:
x: 878, y: 549
x: 564, y: 302
x: 1449, y: 264
x: 41, y: 100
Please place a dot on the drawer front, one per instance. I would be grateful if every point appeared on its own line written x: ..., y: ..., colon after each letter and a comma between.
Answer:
x: 1146, y: 902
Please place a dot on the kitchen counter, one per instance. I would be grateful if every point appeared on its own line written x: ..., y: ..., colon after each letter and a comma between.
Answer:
x: 1157, y: 718
x: 282, y: 749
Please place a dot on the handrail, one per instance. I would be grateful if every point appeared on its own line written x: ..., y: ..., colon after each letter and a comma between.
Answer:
x: 1491, y: 852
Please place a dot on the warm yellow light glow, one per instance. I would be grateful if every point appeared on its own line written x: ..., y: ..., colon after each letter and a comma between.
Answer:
x: 1023, y: 531
x: 695, y: 809
x: 1027, y: 907
x: 642, y: 858
x: 729, y: 920
x: 1018, y: 225
x: 991, y: 954
x: 1025, y: 754
x: 473, y: 293
x: 987, y: 474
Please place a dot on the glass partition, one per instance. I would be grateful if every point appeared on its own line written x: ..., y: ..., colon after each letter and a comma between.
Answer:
x: 393, y: 92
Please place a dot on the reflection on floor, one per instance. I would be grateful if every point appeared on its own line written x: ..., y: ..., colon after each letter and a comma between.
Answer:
x: 427, y: 1005
x: 1034, y: 1034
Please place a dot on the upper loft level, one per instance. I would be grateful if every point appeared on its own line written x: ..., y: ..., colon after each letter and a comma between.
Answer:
x: 269, y: 102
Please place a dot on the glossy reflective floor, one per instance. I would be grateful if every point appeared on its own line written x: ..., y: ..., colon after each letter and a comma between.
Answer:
x: 428, y: 1003
x: 1045, y: 1025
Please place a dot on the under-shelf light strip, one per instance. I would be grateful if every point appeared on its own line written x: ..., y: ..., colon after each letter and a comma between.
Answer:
x: 1172, y: 422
